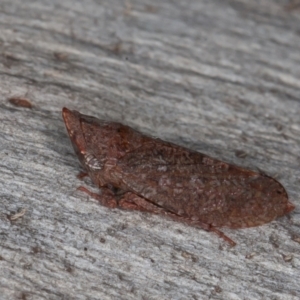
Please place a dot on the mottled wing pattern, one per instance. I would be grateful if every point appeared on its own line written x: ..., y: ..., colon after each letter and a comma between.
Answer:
x: 196, y: 186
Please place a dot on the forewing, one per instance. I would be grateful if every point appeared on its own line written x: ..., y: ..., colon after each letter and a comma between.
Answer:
x: 198, y: 187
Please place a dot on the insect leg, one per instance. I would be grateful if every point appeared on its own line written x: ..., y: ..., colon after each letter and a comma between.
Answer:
x: 223, y: 236
x: 128, y: 201
x: 81, y: 175
x: 132, y: 201
x: 106, y: 198
x: 135, y: 202
x: 204, y: 226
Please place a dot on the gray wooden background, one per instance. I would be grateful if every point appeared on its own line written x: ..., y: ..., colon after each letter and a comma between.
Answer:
x: 221, y: 77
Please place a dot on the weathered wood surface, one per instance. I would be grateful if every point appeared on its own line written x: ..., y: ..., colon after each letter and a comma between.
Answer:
x: 222, y: 77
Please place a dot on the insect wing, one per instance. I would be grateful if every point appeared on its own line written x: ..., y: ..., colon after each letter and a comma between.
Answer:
x: 198, y: 187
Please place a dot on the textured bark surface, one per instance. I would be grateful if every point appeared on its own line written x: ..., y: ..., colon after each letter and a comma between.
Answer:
x: 219, y: 77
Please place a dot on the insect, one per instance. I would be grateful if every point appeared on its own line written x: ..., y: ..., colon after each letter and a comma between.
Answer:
x: 138, y: 172
x: 21, y: 102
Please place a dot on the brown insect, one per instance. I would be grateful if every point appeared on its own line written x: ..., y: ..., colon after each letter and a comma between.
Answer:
x: 143, y: 173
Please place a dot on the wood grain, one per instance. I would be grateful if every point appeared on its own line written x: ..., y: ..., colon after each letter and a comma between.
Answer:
x: 221, y: 77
